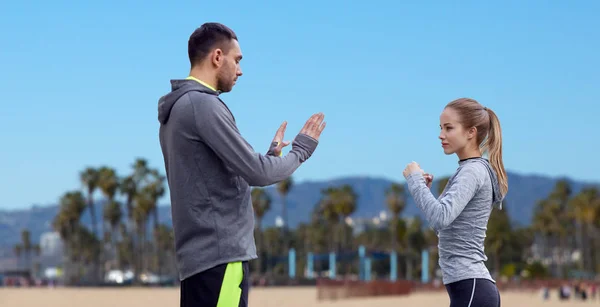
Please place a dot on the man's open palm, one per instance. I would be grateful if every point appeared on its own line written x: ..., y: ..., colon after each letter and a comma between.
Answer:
x: 279, y: 139
x: 314, y: 126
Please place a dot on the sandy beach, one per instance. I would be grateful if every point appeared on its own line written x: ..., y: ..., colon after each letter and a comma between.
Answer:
x: 264, y: 297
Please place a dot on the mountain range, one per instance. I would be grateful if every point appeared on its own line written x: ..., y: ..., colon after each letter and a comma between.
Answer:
x: 524, y: 192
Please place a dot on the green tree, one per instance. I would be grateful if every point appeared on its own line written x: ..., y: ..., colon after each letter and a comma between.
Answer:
x: 583, y: 209
x: 108, y: 184
x: 261, y: 203
x: 67, y: 223
x: 112, y: 214
x: 283, y: 188
x: 559, y: 198
x: 416, y: 242
x: 89, y: 178
x: 339, y: 203
x: 499, y: 232
x: 395, y: 199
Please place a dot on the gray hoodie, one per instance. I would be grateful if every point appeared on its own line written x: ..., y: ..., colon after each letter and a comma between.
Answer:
x: 210, y: 168
x: 460, y: 216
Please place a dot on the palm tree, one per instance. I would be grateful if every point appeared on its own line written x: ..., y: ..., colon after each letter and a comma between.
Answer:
x: 345, y: 200
x: 416, y: 242
x: 36, y: 265
x: 560, y: 197
x: 141, y: 212
x: 395, y: 199
x: 543, y: 223
x: 326, y: 209
x: 153, y: 191
x: 108, y: 183
x: 596, y: 231
x: 140, y: 171
x: 431, y: 240
x: 66, y: 223
x: 90, y: 177
x: 583, y: 209
x: 128, y: 187
x: 139, y: 207
x: 284, y: 187
x: 87, y: 249
x: 112, y: 214
x: 165, y: 242
x: 499, y: 232
x: 261, y: 203
x: 339, y: 203
x: 27, y: 247
x: 547, y: 220
x: 156, y: 190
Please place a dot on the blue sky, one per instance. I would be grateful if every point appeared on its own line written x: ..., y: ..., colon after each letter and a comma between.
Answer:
x: 80, y: 83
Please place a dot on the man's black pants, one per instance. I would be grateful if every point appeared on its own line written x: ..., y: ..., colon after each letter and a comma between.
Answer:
x: 225, y: 285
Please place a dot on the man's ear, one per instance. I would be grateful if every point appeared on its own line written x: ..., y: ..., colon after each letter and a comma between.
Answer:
x: 217, y: 57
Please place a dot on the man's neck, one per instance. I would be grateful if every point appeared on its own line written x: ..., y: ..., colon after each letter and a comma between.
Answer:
x: 204, y: 77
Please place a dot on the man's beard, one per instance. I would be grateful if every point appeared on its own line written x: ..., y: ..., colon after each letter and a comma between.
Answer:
x: 224, y: 83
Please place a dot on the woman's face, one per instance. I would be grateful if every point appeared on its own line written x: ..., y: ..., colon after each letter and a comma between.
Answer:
x: 455, y: 138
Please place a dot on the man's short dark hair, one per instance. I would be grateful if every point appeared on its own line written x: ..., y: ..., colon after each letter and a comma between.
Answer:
x: 209, y: 36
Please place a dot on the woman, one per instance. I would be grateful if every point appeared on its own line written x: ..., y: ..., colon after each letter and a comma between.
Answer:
x: 460, y: 214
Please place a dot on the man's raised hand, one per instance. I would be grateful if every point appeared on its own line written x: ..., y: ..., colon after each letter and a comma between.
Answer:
x: 314, y: 126
x: 278, y: 139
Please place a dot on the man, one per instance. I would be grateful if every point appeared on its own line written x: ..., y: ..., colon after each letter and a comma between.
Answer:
x: 210, y: 168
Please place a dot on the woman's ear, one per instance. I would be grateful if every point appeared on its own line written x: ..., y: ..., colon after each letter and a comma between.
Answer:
x: 472, y: 133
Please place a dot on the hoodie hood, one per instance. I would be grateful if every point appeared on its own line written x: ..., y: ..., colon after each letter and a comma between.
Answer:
x: 178, y: 89
x: 497, y: 194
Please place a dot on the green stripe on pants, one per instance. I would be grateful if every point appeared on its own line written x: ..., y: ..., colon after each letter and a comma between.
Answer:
x: 230, y: 293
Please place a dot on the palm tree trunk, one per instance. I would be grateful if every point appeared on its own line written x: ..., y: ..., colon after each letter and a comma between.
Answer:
x: 585, y: 248
x: 409, y: 265
x: 66, y: 258
x: 408, y: 259
x: 579, y: 241
x: 157, y: 251
x: 145, y: 248
x: 394, y: 230
x: 113, y: 246
x: 547, y: 247
x: 91, y: 207
x: 341, y: 236
x: 497, y: 263
x: 259, y: 244
x: 562, y: 246
x: 596, y: 237
x: 332, y: 237
x: 131, y: 228
x: 139, y: 259
x: 285, y: 223
x: 130, y: 221
x: 103, y: 257
x: 92, y: 212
